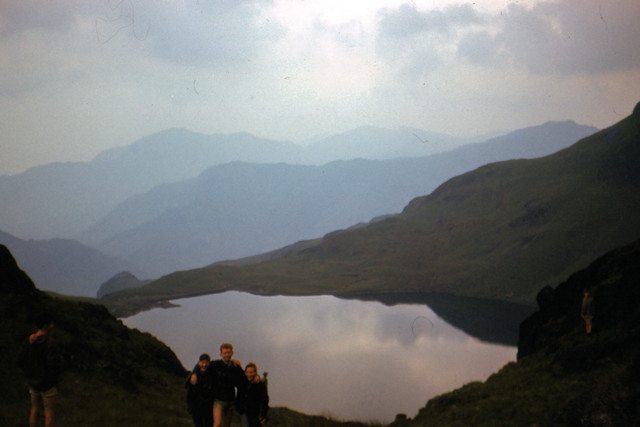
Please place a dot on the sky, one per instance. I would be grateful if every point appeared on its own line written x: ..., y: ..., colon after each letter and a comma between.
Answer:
x: 79, y: 76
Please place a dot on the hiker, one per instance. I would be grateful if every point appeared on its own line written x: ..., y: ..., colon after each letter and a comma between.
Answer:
x: 227, y: 375
x: 40, y: 361
x: 200, y: 393
x: 587, y: 310
x: 253, y: 398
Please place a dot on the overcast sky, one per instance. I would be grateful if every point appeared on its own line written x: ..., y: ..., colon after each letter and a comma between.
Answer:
x: 79, y: 76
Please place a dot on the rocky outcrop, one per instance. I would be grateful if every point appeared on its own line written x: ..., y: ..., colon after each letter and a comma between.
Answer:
x: 614, y: 282
x: 120, y: 281
x: 12, y: 279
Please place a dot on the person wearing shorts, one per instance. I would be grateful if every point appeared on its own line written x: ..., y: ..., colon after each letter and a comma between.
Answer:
x: 227, y: 377
x: 41, y: 364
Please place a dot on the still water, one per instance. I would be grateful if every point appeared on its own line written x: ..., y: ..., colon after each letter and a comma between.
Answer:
x: 326, y: 356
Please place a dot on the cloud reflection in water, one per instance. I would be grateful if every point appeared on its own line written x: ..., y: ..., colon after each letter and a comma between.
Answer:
x: 351, y: 359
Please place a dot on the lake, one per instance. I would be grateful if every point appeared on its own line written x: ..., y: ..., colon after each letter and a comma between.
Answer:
x: 348, y: 359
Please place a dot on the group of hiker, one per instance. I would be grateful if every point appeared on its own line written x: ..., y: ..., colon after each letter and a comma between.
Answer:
x: 215, y: 388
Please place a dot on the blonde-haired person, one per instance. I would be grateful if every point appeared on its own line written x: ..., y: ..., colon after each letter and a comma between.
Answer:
x: 227, y: 375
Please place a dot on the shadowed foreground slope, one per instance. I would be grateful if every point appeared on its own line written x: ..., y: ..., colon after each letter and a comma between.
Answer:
x: 563, y: 376
x: 112, y: 375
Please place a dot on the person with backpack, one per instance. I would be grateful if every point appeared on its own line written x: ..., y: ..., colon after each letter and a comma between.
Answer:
x: 40, y: 361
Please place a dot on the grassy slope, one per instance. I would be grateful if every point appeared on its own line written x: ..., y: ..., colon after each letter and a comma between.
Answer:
x: 566, y: 377
x: 113, y: 375
x: 119, y: 376
x: 502, y: 231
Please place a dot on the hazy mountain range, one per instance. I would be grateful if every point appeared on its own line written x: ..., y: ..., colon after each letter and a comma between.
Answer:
x: 76, y: 194
x: 502, y: 231
x: 145, y: 204
x: 240, y: 209
x: 64, y: 265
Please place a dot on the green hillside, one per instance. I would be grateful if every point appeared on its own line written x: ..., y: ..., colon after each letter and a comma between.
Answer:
x: 111, y: 372
x: 118, y: 376
x: 563, y: 376
x: 502, y: 231
x: 112, y: 375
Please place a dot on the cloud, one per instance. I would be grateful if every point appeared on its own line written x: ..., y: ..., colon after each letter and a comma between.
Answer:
x: 214, y: 34
x: 480, y: 47
x: 408, y: 21
x: 562, y: 38
x: 18, y: 17
x: 417, y: 42
x: 78, y: 76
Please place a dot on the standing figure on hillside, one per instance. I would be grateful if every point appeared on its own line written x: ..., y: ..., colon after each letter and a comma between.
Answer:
x: 40, y: 361
x: 227, y: 376
x: 253, y: 398
x: 587, y: 310
x: 200, y: 393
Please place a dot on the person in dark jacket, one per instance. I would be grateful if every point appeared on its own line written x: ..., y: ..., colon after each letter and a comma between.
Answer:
x: 200, y: 393
x: 40, y: 361
x: 253, y: 398
x: 227, y: 377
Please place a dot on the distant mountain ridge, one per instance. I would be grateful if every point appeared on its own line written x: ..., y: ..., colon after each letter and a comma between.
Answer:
x: 242, y: 209
x: 167, y: 156
x: 80, y: 193
x: 502, y: 231
x: 149, y: 229
x: 66, y: 266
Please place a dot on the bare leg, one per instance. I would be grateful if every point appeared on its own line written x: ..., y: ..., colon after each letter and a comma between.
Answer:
x: 35, y: 410
x: 49, y: 404
x: 217, y: 416
x: 228, y: 415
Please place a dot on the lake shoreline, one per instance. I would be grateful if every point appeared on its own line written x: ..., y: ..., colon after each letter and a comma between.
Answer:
x: 490, y: 320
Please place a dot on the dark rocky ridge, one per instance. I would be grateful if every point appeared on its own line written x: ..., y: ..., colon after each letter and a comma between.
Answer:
x: 614, y: 281
x: 91, y: 339
x: 564, y: 376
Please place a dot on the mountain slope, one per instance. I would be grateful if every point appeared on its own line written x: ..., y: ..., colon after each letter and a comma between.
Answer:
x: 76, y: 194
x: 112, y: 375
x: 502, y: 231
x: 564, y: 376
x: 109, y: 370
x: 374, y: 143
x: 240, y: 209
x: 66, y: 266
